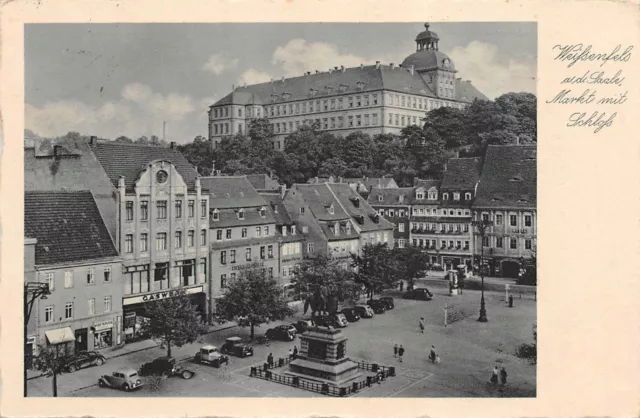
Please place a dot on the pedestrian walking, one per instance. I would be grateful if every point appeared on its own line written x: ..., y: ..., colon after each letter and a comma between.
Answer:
x: 290, y: 354
x: 494, y: 376
x: 400, y: 352
x: 295, y: 352
x: 270, y: 360
x: 401, y: 285
x: 503, y: 376
x: 433, y: 355
x: 421, y: 324
x: 395, y: 350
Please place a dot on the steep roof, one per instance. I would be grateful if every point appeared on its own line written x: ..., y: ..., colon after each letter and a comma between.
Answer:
x: 347, y: 196
x: 279, y: 211
x: 319, y: 197
x: 427, y: 183
x: 262, y: 182
x: 231, y: 192
x: 228, y: 217
x: 129, y: 160
x: 373, y: 77
x: 461, y: 173
x: 68, y: 227
x: 509, y: 177
x: 390, y: 197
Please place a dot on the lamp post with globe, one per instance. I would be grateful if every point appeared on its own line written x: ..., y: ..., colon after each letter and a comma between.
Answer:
x: 482, y: 227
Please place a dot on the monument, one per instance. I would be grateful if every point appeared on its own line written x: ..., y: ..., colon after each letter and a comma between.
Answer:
x: 323, y: 358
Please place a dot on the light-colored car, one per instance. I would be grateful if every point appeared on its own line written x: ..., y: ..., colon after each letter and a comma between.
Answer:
x: 124, y: 379
x: 209, y: 354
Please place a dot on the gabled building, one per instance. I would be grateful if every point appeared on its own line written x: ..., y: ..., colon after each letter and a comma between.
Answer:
x: 242, y: 231
x: 289, y: 239
x: 163, y: 225
x: 394, y: 204
x: 76, y: 256
x: 374, y: 99
x: 507, y: 197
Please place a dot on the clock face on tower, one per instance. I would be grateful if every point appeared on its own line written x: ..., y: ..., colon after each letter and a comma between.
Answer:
x: 162, y: 176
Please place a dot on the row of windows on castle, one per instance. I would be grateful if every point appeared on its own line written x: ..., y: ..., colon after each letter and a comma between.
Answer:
x: 161, y: 209
x: 365, y: 100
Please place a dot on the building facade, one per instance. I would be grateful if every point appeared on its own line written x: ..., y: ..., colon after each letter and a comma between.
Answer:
x: 77, y: 258
x: 242, y: 230
x: 507, y: 198
x: 163, y: 231
x: 375, y: 99
x: 394, y: 204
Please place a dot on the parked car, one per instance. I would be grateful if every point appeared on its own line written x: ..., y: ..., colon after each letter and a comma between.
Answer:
x: 388, y: 300
x: 364, y: 311
x: 282, y: 332
x: 302, y: 325
x: 351, y: 314
x: 419, y: 294
x: 209, y: 354
x: 84, y: 359
x: 335, y: 320
x: 377, y: 305
x: 235, y: 346
x: 165, y: 366
x: 341, y: 319
x: 124, y: 379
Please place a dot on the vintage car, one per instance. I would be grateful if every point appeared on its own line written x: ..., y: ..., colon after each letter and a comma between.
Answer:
x: 124, y: 379
x: 281, y: 332
x: 341, y: 319
x: 351, y: 314
x: 421, y: 293
x: 235, y: 346
x: 364, y: 311
x: 84, y: 359
x: 209, y: 354
x: 302, y: 325
x: 377, y: 305
x: 165, y: 366
x: 388, y: 300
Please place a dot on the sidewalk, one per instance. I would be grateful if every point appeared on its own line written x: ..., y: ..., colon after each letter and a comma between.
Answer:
x: 135, y: 347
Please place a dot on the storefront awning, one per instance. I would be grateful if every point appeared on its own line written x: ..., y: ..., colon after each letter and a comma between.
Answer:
x: 60, y: 335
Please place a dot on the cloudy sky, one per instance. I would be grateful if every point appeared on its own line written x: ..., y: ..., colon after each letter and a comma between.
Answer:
x: 126, y: 79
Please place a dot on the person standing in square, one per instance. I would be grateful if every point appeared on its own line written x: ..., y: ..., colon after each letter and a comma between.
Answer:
x: 400, y: 352
x: 395, y: 350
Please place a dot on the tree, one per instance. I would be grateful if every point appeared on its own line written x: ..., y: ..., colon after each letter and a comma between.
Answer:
x: 375, y: 267
x: 322, y: 284
x: 255, y: 297
x: 199, y: 154
x: 53, y: 360
x: 173, y: 320
x: 123, y: 139
x: 411, y: 263
x: 529, y: 351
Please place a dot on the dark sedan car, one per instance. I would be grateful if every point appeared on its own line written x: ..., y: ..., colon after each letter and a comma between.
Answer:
x: 84, y: 359
x: 235, y: 346
x: 377, y: 305
x: 351, y: 314
x: 282, y: 332
x: 419, y: 294
x: 302, y: 325
x: 388, y: 300
x: 165, y: 366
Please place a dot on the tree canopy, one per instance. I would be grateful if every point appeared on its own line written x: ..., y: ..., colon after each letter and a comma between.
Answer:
x: 53, y: 360
x: 376, y: 268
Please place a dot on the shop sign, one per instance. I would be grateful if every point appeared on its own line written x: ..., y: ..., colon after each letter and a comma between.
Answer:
x: 159, y: 295
x: 99, y: 326
x: 247, y: 266
x: 129, y: 315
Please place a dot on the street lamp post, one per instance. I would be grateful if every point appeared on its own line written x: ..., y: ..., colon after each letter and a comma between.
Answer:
x: 32, y: 291
x: 482, y: 227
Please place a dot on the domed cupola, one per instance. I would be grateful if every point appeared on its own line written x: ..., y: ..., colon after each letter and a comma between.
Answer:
x: 427, y: 56
x: 427, y: 40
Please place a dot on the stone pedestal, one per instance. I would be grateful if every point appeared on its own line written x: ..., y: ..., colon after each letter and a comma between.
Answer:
x: 323, y: 358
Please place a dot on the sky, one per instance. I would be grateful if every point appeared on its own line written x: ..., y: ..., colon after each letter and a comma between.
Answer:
x: 127, y: 79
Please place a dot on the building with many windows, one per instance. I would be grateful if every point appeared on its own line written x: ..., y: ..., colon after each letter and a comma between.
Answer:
x: 242, y: 231
x: 375, y: 99
x: 163, y: 226
x: 507, y: 197
x: 76, y: 257
x: 394, y: 204
x: 425, y: 216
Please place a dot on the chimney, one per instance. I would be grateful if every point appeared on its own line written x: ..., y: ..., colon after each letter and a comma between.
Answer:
x: 245, y: 84
x: 342, y: 68
x: 270, y: 174
x: 93, y: 140
x: 411, y: 69
x: 400, y: 66
x: 391, y: 66
x: 377, y: 65
x: 282, y: 80
x: 56, y: 150
x: 317, y: 71
x: 217, y: 172
x: 340, y: 179
x: 361, y: 66
x: 283, y: 190
x: 335, y: 68
x: 173, y: 145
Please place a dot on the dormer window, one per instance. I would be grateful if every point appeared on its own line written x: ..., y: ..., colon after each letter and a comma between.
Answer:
x: 467, y: 196
x: 336, y: 229
x: 302, y: 211
x: 360, y: 85
x: 419, y: 196
x: 401, y: 198
x: 445, y: 196
x: 331, y: 209
x: 284, y: 230
x: 263, y: 212
x: 380, y: 198
x: 433, y: 196
x: 456, y: 196
x: 348, y: 227
x: 293, y: 229
x: 241, y: 214
x: 305, y: 229
x: 215, y: 215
